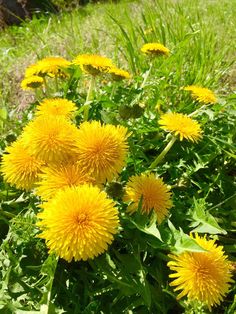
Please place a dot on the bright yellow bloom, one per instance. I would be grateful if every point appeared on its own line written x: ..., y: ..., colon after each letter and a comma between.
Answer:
x: 201, y: 94
x: 93, y: 64
x: 32, y: 82
x: 59, y: 177
x: 50, y: 65
x: 56, y: 107
x: 203, y: 276
x: 155, y: 49
x: 19, y: 167
x: 149, y: 192
x: 102, y: 149
x: 50, y: 138
x: 32, y: 70
x: 182, y: 125
x: 79, y: 223
x: 118, y: 74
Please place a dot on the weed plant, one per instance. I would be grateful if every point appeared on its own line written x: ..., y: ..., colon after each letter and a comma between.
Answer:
x: 132, y: 275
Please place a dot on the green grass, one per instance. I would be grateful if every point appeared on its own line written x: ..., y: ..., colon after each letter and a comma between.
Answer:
x: 199, y: 33
x: 132, y: 277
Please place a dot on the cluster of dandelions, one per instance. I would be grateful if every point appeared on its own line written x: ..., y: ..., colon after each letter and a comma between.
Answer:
x: 68, y: 167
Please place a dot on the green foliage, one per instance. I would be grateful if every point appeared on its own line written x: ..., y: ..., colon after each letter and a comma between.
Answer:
x: 131, y: 277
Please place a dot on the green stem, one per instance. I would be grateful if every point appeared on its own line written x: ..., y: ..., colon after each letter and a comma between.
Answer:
x: 50, y: 268
x: 146, y: 75
x: 163, y: 153
x: 7, y: 214
x: 56, y: 82
x: 89, y: 98
x: 221, y: 203
x: 196, y: 111
x: 113, y: 91
x: 45, y: 85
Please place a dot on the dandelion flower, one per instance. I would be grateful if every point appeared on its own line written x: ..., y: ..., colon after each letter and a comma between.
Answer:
x: 118, y: 74
x: 155, y: 49
x: 93, y: 64
x: 56, y: 107
x: 203, y: 276
x: 58, y: 177
x: 79, y: 222
x: 32, y: 70
x: 151, y: 193
x: 201, y: 94
x: 19, y: 167
x: 32, y: 82
x: 50, y: 65
x: 102, y: 149
x: 51, y: 139
x: 181, y: 125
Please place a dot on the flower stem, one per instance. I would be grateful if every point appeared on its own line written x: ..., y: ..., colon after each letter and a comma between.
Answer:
x: 146, y: 75
x: 50, y: 266
x: 7, y: 214
x: 196, y: 111
x: 113, y: 91
x: 56, y: 82
x: 89, y: 98
x: 45, y: 85
x: 163, y: 153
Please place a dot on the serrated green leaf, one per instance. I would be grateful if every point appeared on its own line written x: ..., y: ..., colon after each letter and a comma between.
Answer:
x: 203, y: 221
x: 147, y: 225
x: 183, y: 242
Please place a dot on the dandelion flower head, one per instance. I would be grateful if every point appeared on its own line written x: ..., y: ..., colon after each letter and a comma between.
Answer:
x: 79, y: 223
x: 32, y: 82
x: 155, y: 49
x: 201, y: 94
x: 181, y: 125
x: 58, y: 177
x: 118, y: 74
x: 151, y: 193
x: 50, y: 138
x: 202, y: 276
x: 102, y: 149
x: 50, y: 65
x: 93, y: 64
x: 56, y: 107
x: 19, y: 167
x: 32, y: 70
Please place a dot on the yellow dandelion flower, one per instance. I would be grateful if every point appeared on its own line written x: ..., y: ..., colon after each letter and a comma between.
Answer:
x: 59, y: 177
x: 56, y: 107
x: 50, y: 138
x: 118, y: 74
x: 19, y: 167
x: 182, y: 125
x: 32, y: 70
x: 32, y: 82
x: 50, y: 65
x: 155, y: 49
x: 152, y: 192
x: 203, y: 276
x: 201, y: 94
x: 93, y: 64
x: 79, y: 222
x: 102, y: 149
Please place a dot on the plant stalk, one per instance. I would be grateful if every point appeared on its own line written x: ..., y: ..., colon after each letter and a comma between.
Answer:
x: 56, y: 82
x: 89, y: 98
x: 142, y: 85
x: 161, y: 156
